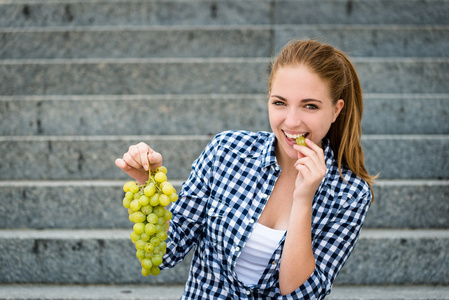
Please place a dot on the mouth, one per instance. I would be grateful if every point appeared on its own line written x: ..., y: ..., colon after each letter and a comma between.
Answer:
x: 291, y: 138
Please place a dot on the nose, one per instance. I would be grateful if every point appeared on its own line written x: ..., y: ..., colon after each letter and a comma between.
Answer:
x: 292, y: 119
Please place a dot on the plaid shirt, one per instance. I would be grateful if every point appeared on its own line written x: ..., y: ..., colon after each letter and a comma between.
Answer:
x: 223, y: 198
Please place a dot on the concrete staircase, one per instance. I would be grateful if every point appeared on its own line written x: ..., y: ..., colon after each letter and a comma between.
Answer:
x: 82, y: 80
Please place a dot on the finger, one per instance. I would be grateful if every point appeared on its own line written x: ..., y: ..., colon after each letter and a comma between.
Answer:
x: 155, y: 159
x: 313, y: 151
x: 143, y: 150
x: 130, y: 161
x: 122, y: 164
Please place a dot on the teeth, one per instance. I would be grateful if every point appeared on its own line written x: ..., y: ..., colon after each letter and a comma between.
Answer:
x: 294, y: 136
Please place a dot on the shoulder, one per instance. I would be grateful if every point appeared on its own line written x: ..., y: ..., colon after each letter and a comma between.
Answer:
x: 241, y: 141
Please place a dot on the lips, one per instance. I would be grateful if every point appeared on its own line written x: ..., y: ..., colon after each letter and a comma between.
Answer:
x: 292, y: 137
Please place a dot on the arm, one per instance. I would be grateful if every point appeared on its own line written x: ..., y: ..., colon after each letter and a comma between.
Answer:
x: 335, y: 231
x: 298, y: 261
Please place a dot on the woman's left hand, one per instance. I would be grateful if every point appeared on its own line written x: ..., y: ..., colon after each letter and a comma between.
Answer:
x: 311, y: 168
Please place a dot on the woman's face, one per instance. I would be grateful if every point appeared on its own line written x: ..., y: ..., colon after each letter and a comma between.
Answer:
x: 300, y: 105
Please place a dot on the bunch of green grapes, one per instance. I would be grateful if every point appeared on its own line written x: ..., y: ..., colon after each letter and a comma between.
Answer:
x: 146, y: 206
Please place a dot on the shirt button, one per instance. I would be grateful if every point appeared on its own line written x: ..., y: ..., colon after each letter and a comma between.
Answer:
x: 237, y: 249
x: 274, y: 263
x: 252, y: 221
x: 276, y: 168
x: 264, y: 196
x: 248, y: 292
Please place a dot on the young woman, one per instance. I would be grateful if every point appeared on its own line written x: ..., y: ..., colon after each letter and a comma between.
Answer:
x: 269, y: 219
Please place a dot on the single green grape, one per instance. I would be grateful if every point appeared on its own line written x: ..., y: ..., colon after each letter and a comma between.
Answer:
x: 144, y: 200
x: 146, y: 272
x: 154, y: 201
x: 161, y: 169
x: 140, y: 253
x: 138, y: 217
x: 149, y: 190
x: 149, y: 248
x: 126, y: 202
x: 163, y: 245
x: 155, y: 270
x: 159, y: 211
x: 147, y: 209
x: 167, y: 188
x: 168, y: 215
x: 150, y: 229
x: 173, y: 197
x: 160, y: 177
x: 144, y: 237
x: 134, y: 237
x: 129, y: 186
x: 156, y: 260
x: 155, y: 241
x: 162, y: 236
x: 164, y: 200
x: 152, y: 218
x: 147, y: 264
x: 139, y: 228
x: 140, y: 245
x: 135, y: 205
x: 301, y: 141
x: 161, y: 221
x: 129, y: 195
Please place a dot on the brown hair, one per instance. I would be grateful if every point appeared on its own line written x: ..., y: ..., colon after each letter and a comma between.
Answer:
x: 334, y: 67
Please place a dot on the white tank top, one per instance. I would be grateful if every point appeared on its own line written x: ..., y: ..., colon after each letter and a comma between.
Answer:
x: 258, y: 250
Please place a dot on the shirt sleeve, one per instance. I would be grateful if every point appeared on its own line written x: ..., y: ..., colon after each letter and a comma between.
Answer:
x: 332, y: 247
x: 186, y: 225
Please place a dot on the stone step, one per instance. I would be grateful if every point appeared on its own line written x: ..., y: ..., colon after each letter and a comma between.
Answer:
x: 381, y: 257
x: 97, y: 204
x: 174, y: 292
x: 201, y: 76
x: 100, y: 13
x: 92, y: 157
x: 373, y: 41
x: 218, y: 41
x: 199, y: 114
x: 136, y: 42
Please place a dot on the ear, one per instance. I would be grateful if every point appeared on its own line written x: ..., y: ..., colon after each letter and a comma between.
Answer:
x: 337, y: 109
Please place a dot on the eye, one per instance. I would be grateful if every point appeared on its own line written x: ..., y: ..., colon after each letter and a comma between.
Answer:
x: 311, y: 106
x: 278, y: 103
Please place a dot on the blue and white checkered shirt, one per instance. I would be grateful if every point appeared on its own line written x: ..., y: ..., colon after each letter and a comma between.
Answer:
x: 223, y: 198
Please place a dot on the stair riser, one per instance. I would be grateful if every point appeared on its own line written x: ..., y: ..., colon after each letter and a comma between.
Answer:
x: 199, y: 115
x: 86, y: 261
x: 375, y: 42
x: 215, y: 76
x: 81, y: 158
x: 249, y: 42
x: 136, y: 43
x: 98, y: 205
x: 99, y: 13
x: 362, y: 12
x: 397, y: 261
x: 97, y: 260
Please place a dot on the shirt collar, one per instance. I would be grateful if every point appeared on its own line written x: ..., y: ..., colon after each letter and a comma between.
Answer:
x: 268, y: 153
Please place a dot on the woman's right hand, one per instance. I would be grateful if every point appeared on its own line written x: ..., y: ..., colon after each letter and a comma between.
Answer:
x: 136, y: 162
